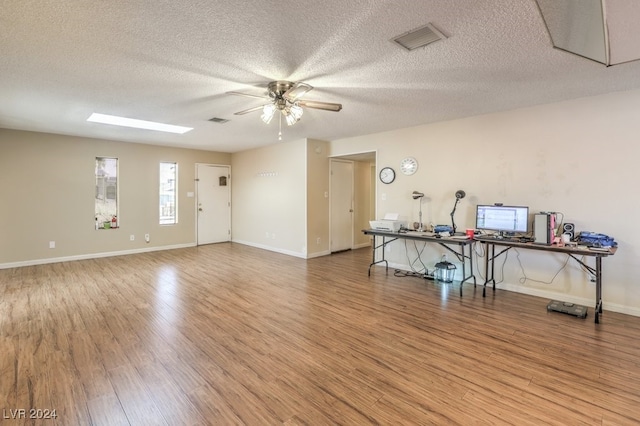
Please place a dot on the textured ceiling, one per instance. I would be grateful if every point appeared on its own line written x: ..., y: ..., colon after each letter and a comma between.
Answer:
x: 174, y: 61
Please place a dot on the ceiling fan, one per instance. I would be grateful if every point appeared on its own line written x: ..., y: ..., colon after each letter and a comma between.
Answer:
x: 284, y: 96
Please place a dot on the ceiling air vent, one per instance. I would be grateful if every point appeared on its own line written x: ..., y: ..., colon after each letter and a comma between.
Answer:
x: 218, y: 120
x: 419, y: 37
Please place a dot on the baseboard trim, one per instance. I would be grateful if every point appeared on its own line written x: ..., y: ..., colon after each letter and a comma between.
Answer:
x: 274, y: 249
x: 91, y: 256
x: 613, y: 307
x: 363, y: 245
x: 318, y: 254
x: 590, y: 303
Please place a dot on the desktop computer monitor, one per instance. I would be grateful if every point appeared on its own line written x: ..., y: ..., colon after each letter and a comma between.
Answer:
x: 502, y: 219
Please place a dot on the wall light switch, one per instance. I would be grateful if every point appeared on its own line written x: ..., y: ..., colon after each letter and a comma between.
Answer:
x: 190, y: 194
x: 52, y: 244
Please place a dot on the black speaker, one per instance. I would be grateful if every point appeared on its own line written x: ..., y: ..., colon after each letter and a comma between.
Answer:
x: 569, y: 228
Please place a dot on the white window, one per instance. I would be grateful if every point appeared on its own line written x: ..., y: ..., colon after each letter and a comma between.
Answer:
x: 168, y: 193
x: 106, y: 203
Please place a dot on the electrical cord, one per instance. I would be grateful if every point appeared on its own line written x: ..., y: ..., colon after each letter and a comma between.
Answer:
x: 504, y: 262
x: 479, y: 252
x: 419, y: 252
x: 586, y: 270
x: 402, y: 274
x: 524, y: 277
x: 420, y: 273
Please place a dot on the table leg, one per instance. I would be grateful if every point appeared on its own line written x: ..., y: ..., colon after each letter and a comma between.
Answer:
x: 373, y: 260
x: 464, y: 271
x: 598, y: 308
x: 471, y: 263
x: 486, y: 269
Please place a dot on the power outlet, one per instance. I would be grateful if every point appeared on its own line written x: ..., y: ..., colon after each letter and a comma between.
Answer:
x: 318, y: 241
x: 132, y: 237
x: 52, y: 244
x: 146, y: 237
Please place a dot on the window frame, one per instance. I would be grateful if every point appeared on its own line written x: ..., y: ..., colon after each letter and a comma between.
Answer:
x: 163, y: 192
x: 107, y: 214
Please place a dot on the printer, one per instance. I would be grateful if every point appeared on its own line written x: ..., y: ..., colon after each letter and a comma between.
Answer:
x: 389, y: 223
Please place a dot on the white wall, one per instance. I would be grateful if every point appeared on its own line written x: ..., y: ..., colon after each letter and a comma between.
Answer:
x: 578, y: 157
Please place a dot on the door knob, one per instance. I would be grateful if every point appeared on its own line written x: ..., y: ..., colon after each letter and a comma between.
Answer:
x: 200, y: 209
x: 350, y: 210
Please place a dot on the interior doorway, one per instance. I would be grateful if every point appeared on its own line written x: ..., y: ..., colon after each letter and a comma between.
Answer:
x: 213, y: 203
x: 341, y: 205
x: 362, y: 202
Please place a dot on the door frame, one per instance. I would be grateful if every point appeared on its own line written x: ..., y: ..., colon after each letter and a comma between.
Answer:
x: 370, y: 156
x: 331, y: 202
x: 195, y: 202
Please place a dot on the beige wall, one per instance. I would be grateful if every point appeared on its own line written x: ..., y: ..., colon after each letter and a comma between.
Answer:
x: 269, y: 197
x: 290, y: 182
x: 47, y: 193
x: 317, y: 177
x: 578, y: 158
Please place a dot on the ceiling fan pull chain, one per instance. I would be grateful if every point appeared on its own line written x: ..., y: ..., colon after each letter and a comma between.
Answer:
x: 280, y: 129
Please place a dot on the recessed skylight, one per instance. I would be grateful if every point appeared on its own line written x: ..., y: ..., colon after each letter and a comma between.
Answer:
x: 138, y: 124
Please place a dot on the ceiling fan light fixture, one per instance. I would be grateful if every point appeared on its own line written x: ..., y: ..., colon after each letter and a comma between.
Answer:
x: 296, y: 110
x: 267, y: 113
x: 284, y: 96
x: 291, y: 120
x: 293, y: 114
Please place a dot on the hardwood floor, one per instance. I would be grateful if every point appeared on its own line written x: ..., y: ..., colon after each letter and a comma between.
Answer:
x: 229, y: 334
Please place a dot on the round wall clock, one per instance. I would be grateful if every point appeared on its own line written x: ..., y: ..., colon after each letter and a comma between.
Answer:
x: 387, y: 175
x: 409, y: 166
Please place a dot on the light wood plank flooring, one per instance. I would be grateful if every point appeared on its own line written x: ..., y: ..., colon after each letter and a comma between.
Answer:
x: 227, y: 334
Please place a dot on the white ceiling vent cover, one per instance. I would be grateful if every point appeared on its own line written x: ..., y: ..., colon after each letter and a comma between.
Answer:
x: 419, y: 37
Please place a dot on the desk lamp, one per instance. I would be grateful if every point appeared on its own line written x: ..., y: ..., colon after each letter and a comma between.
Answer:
x: 418, y: 196
x: 460, y: 194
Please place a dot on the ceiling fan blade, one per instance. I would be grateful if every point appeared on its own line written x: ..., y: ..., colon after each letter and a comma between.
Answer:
x: 246, y: 111
x: 327, y: 106
x: 247, y: 95
x: 296, y: 91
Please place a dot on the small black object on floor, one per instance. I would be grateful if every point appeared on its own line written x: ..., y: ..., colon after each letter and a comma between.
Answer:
x: 567, y: 308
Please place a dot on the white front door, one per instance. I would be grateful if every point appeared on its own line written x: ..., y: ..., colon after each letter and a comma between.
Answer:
x: 341, y: 205
x: 213, y: 186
